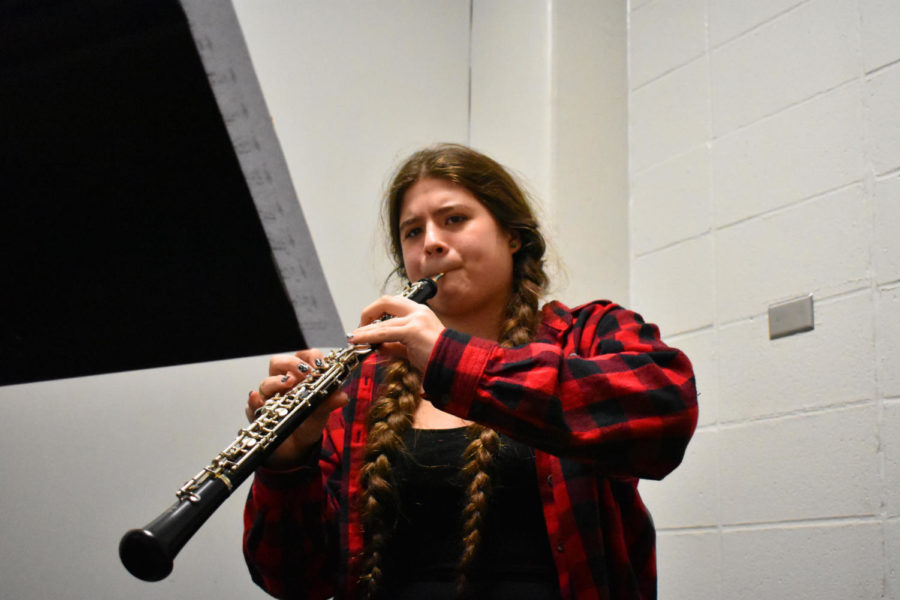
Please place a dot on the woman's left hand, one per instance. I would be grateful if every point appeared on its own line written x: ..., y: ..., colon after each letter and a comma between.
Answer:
x: 412, y: 331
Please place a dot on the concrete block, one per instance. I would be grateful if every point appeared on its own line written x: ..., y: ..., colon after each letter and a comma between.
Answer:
x: 671, y: 201
x: 807, y: 51
x: 730, y: 18
x: 886, y: 243
x: 892, y: 559
x: 887, y: 342
x: 669, y: 115
x: 819, y: 247
x: 803, y: 562
x: 509, y: 99
x: 834, y: 363
x: 634, y: 5
x: 688, y: 565
x: 880, y: 22
x: 798, y: 153
x: 673, y: 287
x: 882, y: 92
x: 687, y: 497
x: 588, y: 161
x: 810, y: 466
x: 890, y: 445
x: 702, y: 348
x: 665, y: 35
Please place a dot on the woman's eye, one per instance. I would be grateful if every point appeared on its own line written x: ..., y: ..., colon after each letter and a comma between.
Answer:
x: 454, y: 219
x: 411, y: 233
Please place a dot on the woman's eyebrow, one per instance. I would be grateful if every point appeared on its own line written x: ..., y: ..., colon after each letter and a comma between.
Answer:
x: 407, y: 222
x: 440, y: 211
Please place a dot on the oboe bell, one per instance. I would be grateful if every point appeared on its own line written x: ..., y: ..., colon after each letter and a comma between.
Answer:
x: 149, y: 553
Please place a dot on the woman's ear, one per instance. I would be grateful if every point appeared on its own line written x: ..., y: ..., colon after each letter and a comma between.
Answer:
x: 514, y: 242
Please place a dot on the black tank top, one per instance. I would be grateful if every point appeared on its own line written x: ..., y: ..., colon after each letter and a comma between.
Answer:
x: 514, y: 558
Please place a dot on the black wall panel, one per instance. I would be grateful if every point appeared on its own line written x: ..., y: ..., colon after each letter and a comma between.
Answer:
x: 128, y: 236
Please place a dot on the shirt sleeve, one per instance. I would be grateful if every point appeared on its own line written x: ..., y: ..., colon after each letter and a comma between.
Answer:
x: 603, y: 388
x: 290, y: 524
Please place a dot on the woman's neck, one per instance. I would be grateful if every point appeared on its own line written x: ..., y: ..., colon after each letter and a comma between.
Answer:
x: 484, y: 324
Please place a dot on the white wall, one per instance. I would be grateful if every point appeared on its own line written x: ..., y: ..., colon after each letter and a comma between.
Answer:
x: 589, y: 168
x: 353, y: 87
x: 549, y: 99
x: 84, y: 460
x: 764, y: 165
x: 764, y: 160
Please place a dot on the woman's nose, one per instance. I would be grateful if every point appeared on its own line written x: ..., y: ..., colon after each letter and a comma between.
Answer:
x: 434, y: 244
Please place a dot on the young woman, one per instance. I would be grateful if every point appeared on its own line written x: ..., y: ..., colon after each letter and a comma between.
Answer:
x: 491, y: 448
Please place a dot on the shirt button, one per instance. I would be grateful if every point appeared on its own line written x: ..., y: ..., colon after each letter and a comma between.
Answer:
x: 559, y: 547
x: 550, y: 480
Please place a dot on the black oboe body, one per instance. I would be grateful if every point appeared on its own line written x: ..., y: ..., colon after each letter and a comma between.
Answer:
x: 149, y: 553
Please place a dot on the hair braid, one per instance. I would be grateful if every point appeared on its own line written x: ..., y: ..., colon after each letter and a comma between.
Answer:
x: 389, y: 416
x: 478, y: 457
x: 522, y: 311
x: 518, y: 328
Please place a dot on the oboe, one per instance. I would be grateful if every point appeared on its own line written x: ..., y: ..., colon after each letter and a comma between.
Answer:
x: 149, y: 553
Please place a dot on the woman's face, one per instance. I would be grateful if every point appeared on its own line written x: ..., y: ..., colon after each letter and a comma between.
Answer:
x: 445, y: 229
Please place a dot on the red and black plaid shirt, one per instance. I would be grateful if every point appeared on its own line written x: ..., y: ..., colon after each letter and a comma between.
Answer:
x: 597, y: 394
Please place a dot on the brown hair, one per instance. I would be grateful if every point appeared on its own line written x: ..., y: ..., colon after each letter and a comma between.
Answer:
x: 391, y: 414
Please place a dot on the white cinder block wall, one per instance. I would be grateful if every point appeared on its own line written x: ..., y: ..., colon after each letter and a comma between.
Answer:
x: 765, y: 164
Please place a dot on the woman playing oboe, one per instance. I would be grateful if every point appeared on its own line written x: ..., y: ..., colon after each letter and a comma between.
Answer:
x: 490, y: 448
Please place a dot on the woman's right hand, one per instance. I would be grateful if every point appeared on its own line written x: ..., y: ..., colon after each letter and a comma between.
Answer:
x: 285, y: 372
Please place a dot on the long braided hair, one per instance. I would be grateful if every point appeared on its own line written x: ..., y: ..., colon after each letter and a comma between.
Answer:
x: 391, y: 414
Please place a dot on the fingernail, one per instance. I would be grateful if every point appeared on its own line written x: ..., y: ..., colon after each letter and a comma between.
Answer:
x: 285, y: 378
x: 303, y: 367
x: 319, y: 363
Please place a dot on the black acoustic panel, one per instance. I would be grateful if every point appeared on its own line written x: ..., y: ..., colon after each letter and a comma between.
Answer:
x: 128, y: 236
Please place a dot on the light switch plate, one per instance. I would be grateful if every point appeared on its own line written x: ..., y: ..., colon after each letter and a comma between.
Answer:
x: 790, y: 317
